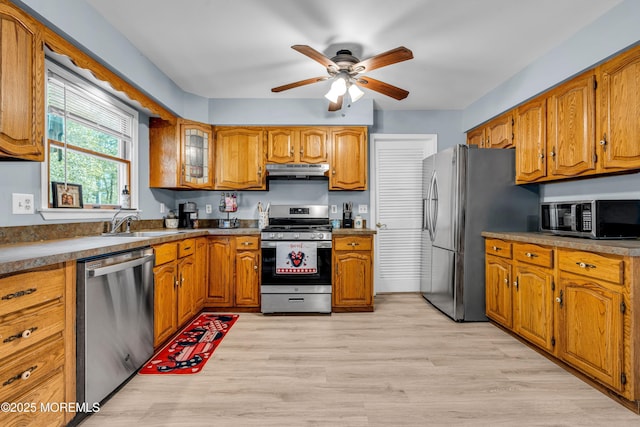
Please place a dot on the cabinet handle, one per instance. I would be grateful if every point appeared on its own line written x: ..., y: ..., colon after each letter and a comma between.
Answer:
x: 530, y: 255
x: 515, y: 284
x: 495, y: 248
x: 187, y: 248
x: 353, y: 244
x: 24, y: 334
x: 559, y: 299
x: 506, y: 281
x: 302, y: 151
x: 175, y: 281
x: 21, y: 376
x: 181, y: 279
x: 585, y: 265
x: 260, y: 171
x: 255, y: 267
x: 337, y: 270
x: 333, y: 172
x: 603, y: 141
x: 291, y: 151
x: 541, y: 155
x: 247, y: 243
x: 19, y: 293
x: 552, y: 154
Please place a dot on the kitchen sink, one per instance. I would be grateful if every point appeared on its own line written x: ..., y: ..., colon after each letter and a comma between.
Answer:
x: 143, y: 234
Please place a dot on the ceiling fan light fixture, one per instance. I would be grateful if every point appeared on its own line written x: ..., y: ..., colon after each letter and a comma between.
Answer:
x: 355, y: 93
x: 338, y: 88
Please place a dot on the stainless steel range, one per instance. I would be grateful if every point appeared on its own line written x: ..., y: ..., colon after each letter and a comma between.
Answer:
x: 296, y: 260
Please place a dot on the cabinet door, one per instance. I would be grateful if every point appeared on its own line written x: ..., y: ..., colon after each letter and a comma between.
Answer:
x: 313, y: 145
x: 186, y: 289
x: 571, y: 127
x: 352, y: 284
x: 499, y: 132
x: 533, y: 305
x: 618, y: 112
x: 200, y: 279
x: 196, y: 155
x: 220, y: 272
x: 165, y: 321
x: 498, y: 290
x: 590, y: 329
x: 281, y: 145
x: 348, y: 159
x: 531, y: 141
x: 21, y: 86
x: 247, y: 280
x: 476, y: 137
x: 239, y: 159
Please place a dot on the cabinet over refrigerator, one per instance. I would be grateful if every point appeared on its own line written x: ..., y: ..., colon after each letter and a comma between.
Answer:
x: 466, y: 191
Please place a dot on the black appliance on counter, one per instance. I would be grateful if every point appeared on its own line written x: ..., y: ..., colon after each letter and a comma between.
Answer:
x: 347, y: 215
x: 188, y: 215
x: 296, y: 260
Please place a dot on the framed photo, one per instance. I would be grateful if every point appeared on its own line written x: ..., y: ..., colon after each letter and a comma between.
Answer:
x: 66, y: 196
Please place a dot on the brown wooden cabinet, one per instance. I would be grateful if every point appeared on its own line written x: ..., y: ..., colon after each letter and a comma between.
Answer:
x: 618, y: 105
x: 239, y: 158
x: 497, y: 133
x: 37, y: 326
x: 175, y: 287
x: 297, y: 145
x: 498, y: 298
x: 591, y: 315
x: 556, y: 133
x: 201, y: 259
x: 348, y: 159
x: 22, y: 108
x: 234, y: 272
x: 353, y: 273
x: 180, y: 154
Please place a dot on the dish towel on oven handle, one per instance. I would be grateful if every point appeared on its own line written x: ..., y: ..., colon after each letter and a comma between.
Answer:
x: 296, y: 258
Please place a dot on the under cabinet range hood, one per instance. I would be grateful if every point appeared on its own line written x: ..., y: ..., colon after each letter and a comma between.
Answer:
x: 297, y: 171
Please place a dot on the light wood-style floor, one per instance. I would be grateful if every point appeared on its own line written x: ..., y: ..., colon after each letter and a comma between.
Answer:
x: 405, y: 364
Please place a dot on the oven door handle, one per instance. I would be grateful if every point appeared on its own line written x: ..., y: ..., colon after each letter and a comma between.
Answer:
x: 321, y: 244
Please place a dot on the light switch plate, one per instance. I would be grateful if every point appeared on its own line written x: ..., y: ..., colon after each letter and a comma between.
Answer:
x: 22, y: 204
x: 363, y: 209
x: 334, y: 208
x: 208, y: 208
x: 162, y: 207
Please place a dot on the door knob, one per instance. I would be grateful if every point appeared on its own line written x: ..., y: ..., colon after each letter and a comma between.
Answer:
x: 382, y: 226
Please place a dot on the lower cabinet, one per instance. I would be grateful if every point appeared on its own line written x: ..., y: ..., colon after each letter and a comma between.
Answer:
x: 234, y: 273
x: 576, y: 305
x: 175, y: 288
x: 353, y: 273
x: 37, y: 351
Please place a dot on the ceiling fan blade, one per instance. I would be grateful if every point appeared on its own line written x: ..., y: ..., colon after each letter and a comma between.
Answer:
x: 298, y: 84
x: 392, y: 56
x: 335, y: 106
x: 382, y: 87
x: 315, y: 55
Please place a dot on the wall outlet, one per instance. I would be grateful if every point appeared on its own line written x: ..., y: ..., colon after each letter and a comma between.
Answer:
x: 363, y: 209
x: 162, y: 208
x: 22, y: 204
x: 334, y: 208
x: 208, y: 208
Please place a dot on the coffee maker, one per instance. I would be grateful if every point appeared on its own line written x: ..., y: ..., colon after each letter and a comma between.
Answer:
x: 347, y: 215
x: 188, y: 215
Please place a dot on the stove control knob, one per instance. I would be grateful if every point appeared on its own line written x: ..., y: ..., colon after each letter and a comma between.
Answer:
x: 296, y: 235
x: 313, y: 236
x: 280, y: 236
x: 272, y: 235
x: 320, y: 236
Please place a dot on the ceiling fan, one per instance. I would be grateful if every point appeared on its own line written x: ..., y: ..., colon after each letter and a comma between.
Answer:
x: 345, y: 70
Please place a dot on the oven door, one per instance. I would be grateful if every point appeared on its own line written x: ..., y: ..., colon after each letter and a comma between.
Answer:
x: 273, y: 273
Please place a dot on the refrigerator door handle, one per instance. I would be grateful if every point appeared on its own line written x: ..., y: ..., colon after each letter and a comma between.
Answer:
x: 425, y: 220
x: 430, y: 209
x: 433, y: 212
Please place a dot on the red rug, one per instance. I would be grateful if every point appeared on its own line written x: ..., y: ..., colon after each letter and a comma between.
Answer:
x: 192, y: 347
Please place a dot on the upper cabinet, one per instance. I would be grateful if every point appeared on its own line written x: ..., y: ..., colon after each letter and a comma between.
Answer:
x: 497, y: 133
x: 21, y: 86
x: 618, y: 128
x: 555, y: 133
x: 239, y: 159
x: 348, y: 159
x: 180, y: 155
x: 297, y: 145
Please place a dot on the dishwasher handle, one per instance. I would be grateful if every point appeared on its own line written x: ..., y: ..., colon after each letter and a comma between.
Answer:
x: 101, y: 271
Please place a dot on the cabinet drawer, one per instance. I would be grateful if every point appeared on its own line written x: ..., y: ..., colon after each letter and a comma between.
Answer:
x: 498, y: 247
x: 186, y: 247
x: 31, y: 288
x: 166, y: 253
x: 29, y: 327
x: 50, y: 391
x: 592, y: 265
x: 26, y: 369
x: 352, y: 243
x: 247, y: 242
x: 533, y: 254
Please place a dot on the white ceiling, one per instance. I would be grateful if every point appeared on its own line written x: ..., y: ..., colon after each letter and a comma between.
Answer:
x: 242, y: 48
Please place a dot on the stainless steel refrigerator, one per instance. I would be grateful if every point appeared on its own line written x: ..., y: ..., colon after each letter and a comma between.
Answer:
x: 466, y: 191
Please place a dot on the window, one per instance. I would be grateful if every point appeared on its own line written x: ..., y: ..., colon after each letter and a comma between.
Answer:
x: 91, y: 142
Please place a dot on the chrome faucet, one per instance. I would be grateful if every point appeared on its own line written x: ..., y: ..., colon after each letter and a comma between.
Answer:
x: 116, y: 223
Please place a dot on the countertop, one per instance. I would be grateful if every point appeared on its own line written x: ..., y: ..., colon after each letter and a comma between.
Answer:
x: 23, y: 256
x: 626, y: 247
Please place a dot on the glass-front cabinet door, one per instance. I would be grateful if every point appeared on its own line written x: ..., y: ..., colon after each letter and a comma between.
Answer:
x: 196, y: 155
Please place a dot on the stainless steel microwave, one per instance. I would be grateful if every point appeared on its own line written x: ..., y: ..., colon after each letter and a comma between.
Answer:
x: 595, y: 219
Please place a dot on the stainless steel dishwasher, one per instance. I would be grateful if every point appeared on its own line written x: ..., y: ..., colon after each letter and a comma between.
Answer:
x: 114, y: 323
